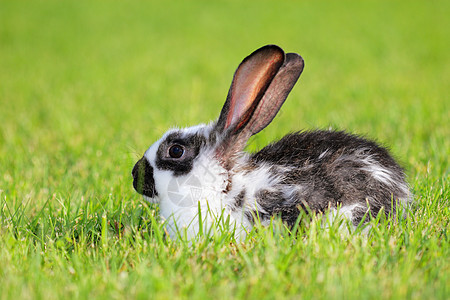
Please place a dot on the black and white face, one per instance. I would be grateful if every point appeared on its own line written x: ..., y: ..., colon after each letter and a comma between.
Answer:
x: 177, y: 152
x: 181, y: 173
x: 172, y: 157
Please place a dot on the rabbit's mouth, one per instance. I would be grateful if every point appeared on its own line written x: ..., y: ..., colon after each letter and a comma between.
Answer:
x: 143, y: 181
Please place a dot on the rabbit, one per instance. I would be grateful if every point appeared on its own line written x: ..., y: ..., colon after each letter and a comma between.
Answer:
x: 203, y: 169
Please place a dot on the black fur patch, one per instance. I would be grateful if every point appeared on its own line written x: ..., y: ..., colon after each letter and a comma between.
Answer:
x: 143, y: 181
x: 308, y: 145
x: 191, y: 143
x: 329, y: 168
x: 239, y: 200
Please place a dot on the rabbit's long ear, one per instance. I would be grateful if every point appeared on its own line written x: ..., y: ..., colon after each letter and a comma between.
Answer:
x: 250, y: 81
x: 259, y: 88
x: 276, y: 93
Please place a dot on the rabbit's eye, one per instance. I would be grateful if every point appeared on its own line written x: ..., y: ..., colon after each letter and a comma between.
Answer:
x: 176, y: 151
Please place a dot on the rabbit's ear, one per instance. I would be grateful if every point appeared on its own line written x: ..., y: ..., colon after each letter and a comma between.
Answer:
x: 250, y: 81
x: 260, y: 86
x: 276, y: 93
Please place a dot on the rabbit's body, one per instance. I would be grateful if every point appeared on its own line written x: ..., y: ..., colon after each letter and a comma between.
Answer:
x: 203, y: 169
x: 320, y: 170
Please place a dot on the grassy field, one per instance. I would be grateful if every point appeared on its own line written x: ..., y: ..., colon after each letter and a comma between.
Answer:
x: 87, y: 86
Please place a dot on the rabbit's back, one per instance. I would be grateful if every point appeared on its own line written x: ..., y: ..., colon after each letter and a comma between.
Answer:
x: 323, y: 169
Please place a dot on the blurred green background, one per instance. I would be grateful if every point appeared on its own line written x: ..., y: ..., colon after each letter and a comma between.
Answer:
x: 87, y: 86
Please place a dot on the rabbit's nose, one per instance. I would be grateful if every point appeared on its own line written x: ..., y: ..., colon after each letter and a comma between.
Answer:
x: 143, y: 181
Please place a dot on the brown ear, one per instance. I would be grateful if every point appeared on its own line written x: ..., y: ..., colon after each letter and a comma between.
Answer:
x: 276, y: 93
x: 250, y: 81
x: 260, y: 86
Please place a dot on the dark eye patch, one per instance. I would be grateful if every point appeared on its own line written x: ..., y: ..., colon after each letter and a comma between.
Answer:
x: 168, y: 158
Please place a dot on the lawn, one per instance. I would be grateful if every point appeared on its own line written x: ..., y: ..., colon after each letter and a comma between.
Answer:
x: 87, y: 86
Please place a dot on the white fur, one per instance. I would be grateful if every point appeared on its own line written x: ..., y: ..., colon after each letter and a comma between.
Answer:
x: 344, y: 213
x: 252, y: 182
x: 206, y: 194
x: 370, y: 165
x: 376, y: 171
x: 322, y: 155
x: 385, y: 176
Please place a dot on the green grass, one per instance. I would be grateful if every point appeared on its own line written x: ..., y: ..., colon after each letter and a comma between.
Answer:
x: 86, y: 87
